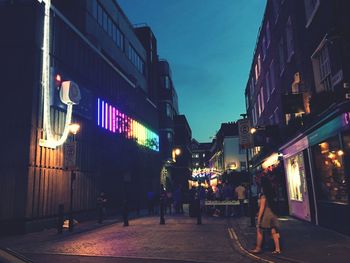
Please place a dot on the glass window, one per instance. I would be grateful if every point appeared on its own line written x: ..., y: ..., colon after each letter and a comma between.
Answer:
x: 290, y: 41
x: 99, y: 14
x: 168, y: 110
x: 243, y: 166
x: 94, y: 9
x: 264, y: 47
x: 104, y: 20
x: 296, y: 177
x: 114, y: 33
x: 268, y: 34
x: 267, y: 81
x: 166, y: 82
x: 281, y: 54
x: 272, y: 76
x: 310, y: 8
x: 329, y: 170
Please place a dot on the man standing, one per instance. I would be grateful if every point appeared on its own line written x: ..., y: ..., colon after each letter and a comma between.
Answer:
x: 101, y: 205
x: 240, y: 193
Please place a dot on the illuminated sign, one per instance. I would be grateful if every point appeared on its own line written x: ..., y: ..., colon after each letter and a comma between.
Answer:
x: 113, y: 120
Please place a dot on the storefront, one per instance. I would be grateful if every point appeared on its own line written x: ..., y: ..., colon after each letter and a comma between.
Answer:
x: 297, y: 186
x: 317, y: 164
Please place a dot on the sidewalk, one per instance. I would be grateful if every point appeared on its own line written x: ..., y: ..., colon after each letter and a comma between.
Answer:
x: 81, y: 227
x: 300, y: 242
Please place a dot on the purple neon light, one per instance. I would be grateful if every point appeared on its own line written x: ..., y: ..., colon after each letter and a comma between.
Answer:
x: 103, y: 114
x: 98, y: 112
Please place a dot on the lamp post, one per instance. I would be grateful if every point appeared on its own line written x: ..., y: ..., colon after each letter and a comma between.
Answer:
x: 73, y: 128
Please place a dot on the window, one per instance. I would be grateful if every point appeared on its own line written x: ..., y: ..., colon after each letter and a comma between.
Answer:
x: 252, y: 88
x: 135, y: 59
x: 99, y: 14
x: 243, y: 166
x: 94, y: 9
x: 329, y: 166
x: 290, y: 41
x: 254, y: 115
x: 295, y: 170
x: 168, y: 110
x: 281, y: 55
x: 203, y: 155
x: 275, y: 8
x: 272, y: 77
x: 322, y: 69
x: 257, y: 68
x: 264, y: 47
x: 268, y: 34
x: 247, y: 101
x: 170, y: 137
x: 275, y: 115
x: 166, y: 82
x: 311, y: 7
x: 262, y: 98
x: 267, y: 84
x: 259, y: 105
x: 104, y: 20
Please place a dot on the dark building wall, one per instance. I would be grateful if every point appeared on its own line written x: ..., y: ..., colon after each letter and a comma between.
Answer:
x: 20, y: 61
x: 34, y: 178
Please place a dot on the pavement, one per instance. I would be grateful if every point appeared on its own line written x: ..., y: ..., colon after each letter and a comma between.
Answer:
x: 144, y: 240
x: 300, y: 242
x: 179, y: 240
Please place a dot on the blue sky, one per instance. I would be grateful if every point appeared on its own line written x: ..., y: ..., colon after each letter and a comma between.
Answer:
x: 209, y: 44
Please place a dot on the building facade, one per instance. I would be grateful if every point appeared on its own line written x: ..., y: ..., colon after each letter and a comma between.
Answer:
x: 298, y: 81
x: 81, y: 62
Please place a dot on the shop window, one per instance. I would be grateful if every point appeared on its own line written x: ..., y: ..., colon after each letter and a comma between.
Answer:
x: 296, y: 177
x: 329, y: 171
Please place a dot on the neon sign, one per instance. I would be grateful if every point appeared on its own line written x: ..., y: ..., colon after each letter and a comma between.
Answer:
x: 113, y: 120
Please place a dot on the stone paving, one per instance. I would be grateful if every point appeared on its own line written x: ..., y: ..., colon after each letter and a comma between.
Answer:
x: 179, y: 239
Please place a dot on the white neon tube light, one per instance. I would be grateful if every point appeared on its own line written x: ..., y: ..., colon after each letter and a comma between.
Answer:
x: 50, y: 141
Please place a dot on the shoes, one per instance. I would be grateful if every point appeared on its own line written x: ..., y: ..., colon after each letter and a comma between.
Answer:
x: 276, y: 252
x: 256, y: 251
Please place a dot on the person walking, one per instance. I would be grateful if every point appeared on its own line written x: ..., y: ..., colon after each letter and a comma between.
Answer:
x: 267, y: 219
x: 240, y: 193
x: 101, y: 206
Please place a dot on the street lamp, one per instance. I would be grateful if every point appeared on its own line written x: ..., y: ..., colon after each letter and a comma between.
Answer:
x: 73, y: 128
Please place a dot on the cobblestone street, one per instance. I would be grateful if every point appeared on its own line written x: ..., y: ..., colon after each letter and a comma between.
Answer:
x: 145, y: 240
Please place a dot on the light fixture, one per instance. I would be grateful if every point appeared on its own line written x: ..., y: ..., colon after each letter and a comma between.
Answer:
x: 340, y: 153
x: 74, y: 128
x: 253, y: 130
x: 177, y: 151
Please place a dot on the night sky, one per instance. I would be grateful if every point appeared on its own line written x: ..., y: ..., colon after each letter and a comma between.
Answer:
x: 209, y: 44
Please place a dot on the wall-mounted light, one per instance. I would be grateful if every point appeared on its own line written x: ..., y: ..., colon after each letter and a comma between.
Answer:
x: 74, y: 128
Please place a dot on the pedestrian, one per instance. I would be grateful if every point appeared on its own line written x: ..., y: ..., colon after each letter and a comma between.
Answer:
x: 240, y: 193
x: 169, y: 201
x: 150, y: 202
x: 267, y: 219
x: 228, y: 196
x: 101, y: 206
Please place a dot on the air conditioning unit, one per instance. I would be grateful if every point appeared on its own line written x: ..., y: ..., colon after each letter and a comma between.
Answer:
x: 70, y: 93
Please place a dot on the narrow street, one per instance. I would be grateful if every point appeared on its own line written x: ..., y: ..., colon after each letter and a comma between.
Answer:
x: 145, y: 240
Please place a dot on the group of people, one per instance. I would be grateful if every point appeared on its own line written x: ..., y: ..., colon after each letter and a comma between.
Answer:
x: 172, y: 200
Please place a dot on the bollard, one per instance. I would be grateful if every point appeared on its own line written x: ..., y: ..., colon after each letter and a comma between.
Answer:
x: 199, y: 212
x: 125, y: 213
x: 60, y: 219
x: 162, y: 220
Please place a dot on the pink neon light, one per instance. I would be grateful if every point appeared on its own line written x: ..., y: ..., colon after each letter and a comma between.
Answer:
x: 113, y: 119
x: 106, y: 116
x: 110, y: 117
